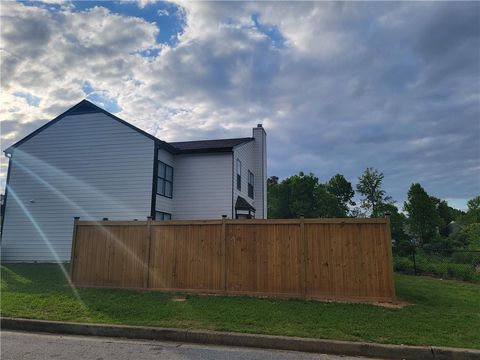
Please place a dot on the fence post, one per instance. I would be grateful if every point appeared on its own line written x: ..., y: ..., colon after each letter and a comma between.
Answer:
x: 224, y: 253
x: 303, y: 257
x: 390, y: 256
x: 74, y: 241
x: 146, y: 260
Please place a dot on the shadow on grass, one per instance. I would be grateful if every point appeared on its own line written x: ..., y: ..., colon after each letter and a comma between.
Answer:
x: 445, y: 312
x: 11, y: 279
x: 44, y: 287
x: 27, y: 278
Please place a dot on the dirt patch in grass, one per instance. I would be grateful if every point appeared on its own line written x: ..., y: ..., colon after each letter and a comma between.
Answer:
x: 393, y: 305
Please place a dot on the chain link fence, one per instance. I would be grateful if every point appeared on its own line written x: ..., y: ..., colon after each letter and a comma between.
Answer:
x: 459, y: 264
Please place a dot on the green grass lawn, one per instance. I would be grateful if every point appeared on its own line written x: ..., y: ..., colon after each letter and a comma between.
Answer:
x: 443, y: 313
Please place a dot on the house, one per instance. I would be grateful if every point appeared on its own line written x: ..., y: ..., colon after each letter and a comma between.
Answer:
x: 90, y: 164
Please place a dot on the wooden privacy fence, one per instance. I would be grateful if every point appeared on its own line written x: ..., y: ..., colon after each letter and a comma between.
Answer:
x: 347, y: 259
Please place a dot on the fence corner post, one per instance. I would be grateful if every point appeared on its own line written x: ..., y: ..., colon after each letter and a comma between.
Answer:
x: 303, y: 257
x: 390, y: 256
x: 74, y: 240
x: 224, y: 253
x: 146, y: 261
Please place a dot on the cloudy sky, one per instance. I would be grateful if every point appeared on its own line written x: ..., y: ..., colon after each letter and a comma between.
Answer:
x: 338, y: 86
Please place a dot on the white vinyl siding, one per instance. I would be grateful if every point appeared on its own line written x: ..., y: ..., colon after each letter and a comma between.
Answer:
x: 202, y: 186
x: 87, y: 165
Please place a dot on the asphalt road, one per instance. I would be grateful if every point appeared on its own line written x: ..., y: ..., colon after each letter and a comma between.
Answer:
x: 27, y: 346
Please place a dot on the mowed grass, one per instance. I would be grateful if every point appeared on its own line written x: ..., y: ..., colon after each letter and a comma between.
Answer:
x: 443, y: 313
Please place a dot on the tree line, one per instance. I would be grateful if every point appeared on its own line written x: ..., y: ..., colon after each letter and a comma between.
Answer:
x: 425, y: 220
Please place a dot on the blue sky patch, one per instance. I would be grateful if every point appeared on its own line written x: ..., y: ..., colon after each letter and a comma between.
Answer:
x: 271, y: 31
x: 168, y: 17
x: 32, y: 100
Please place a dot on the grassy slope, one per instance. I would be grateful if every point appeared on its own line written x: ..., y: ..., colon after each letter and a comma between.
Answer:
x: 445, y: 313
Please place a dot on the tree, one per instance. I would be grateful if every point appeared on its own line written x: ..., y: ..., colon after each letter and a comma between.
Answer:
x: 423, y: 218
x: 357, y: 212
x: 472, y: 232
x: 370, y: 186
x: 468, y: 234
x: 339, y: 187
x: 327, y: 205
x: 272, y: 180
x: 447, y: 214
x: 278, y: 195
x: 397, y: 227
x: 473, y: 210
x: 301, y: 195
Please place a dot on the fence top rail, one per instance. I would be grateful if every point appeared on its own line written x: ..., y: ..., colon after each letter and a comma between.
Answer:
x: 347, y: 221
x: 110, y: 223
x: 235, y: 222
x: 309, y: 221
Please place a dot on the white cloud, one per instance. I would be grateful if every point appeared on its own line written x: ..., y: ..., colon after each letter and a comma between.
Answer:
x: 66, y: 51
x: 163, y: 12
x: 352, y: 84
x: 143, y: 3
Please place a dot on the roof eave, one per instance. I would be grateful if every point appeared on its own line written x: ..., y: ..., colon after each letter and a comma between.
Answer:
x: 247, y: 140
x: 209, y: 149
x: 205, y: 151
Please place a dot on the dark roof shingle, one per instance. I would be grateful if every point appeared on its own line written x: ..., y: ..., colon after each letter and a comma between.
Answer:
x: 208, y: 145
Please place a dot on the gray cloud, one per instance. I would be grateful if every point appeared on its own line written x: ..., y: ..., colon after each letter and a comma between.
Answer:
x: 390, y: 85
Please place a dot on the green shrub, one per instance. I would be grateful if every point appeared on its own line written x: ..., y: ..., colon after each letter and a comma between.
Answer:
x: 463, y: 271
x: 403, y: 264
x: 471, y: 258
x: 473, y: 236
x: 438, y: 266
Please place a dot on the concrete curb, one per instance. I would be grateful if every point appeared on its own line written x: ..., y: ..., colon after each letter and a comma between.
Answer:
x: 246, y: 340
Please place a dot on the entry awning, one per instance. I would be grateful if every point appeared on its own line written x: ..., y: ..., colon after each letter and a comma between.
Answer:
x: 242, y: 204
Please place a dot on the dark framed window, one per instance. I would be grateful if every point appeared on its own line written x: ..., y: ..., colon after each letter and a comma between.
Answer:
x: 165, y: 180
x: 239, y: 175
x: 251, y: 181
x: 160, y: 215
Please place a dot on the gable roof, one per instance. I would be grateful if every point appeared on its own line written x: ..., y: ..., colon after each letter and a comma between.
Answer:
x: 86, y: 107
x: 208, y: 145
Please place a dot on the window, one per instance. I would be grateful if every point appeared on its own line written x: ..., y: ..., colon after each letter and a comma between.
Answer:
x: 165, y: 180
x: 160, y: 215
x: 251, y: 180
x: 239, y: 175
